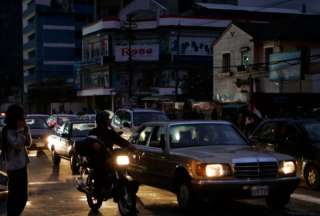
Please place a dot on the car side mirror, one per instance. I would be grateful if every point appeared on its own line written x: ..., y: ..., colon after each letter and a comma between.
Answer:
x: 126, y: 125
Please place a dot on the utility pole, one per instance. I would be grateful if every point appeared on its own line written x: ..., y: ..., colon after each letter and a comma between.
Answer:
x: 177, y: 65
x: 129, y: 30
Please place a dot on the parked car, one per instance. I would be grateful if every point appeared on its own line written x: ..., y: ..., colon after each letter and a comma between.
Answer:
x: 39, y: 130
x: 209, y: 160
x: 126, y: 121
x: 299, y: 138
x: 61, y: 144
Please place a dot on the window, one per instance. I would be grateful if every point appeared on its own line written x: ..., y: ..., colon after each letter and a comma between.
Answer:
x: 144, y: 136
x: 82, y: 129
x: 313, y: 131
x: 157, y: 137
x: 266, y: 132
x: 245, y: 59
x: 116, y: 119
x: 267, y: 53
x: 32, y: 54
x: 31, y: 37
x: 190, y: 135
x: 142, y: 117
x: 125, y: 117
x: 288, y: 139
x: 226, y: 62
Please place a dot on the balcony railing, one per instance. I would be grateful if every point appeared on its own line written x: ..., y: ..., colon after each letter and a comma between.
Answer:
x: 30, y: 44
x: 30, y: 10
x: 29, y: 28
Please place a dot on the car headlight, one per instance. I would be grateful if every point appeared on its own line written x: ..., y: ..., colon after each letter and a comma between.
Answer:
x: 213, y: 170
x: 122, y: 160
x: 287, y: 167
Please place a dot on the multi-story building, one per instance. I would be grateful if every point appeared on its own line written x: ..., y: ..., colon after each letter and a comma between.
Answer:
x: 269, y: 63
x: 51, y: 49
x: 11, y: 52
x: 155, y: 56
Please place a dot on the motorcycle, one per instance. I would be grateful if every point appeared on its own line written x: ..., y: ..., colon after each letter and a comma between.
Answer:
x: 120, y: 186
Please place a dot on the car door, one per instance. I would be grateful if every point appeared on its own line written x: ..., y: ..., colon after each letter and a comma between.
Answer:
x: 160, y: 167
x: 289, y: 139
x: 138, y: 167
x: 265, y: 136
x: 65, y: 139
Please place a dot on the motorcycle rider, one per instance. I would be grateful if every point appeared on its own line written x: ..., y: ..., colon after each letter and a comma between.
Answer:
x: 107, y: 137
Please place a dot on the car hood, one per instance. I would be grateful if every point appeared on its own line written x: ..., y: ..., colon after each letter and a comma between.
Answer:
x: 229, y: 154
x: 40, y: 132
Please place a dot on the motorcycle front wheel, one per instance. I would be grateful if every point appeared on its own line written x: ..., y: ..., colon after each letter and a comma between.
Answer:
x: 127, y: 200
x: 94, y: 200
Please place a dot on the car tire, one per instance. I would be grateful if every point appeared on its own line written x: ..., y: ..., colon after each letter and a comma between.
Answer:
x: 185, y: 197
x: 312, y: 177
x: 278, y: 200
x: 74, y: 164
x: 55, y: 158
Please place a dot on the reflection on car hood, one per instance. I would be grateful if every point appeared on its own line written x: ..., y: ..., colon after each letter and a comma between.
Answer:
x: 229, y: 154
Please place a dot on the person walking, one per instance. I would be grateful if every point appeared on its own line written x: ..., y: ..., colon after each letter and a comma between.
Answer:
x: 15, y: 138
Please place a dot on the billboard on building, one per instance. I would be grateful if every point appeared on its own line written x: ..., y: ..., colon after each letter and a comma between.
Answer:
x: 191, y: 46
x: 139, y: 52
x: 285, y: 66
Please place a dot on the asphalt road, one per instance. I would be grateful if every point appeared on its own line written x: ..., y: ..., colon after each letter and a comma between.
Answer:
x: 52, y: 193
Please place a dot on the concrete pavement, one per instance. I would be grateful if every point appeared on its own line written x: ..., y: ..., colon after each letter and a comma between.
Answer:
x: 52, y: 193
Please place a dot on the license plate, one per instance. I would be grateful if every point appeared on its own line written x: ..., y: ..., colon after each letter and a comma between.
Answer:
x: 259, y: 191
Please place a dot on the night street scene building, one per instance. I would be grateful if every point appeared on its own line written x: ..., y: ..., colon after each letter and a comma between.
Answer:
x: 171, y: 55
x: 51, y: 50
x: 276, y: 63
x: 11, y: 54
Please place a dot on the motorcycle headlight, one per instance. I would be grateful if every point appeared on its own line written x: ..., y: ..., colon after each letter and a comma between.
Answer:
x: 122, y: 160
x: 287, y: 167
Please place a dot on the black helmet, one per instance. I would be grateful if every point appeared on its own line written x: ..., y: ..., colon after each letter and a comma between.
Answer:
x: 102, y: 117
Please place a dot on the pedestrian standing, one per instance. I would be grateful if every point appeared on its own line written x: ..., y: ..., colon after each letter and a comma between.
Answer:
x: 15, y: 138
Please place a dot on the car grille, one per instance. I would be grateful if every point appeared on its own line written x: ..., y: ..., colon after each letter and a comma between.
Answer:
x: 256, y: 170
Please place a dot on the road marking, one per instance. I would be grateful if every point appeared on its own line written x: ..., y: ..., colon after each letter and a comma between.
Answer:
x: 306, y: 198
x: 45, y: 183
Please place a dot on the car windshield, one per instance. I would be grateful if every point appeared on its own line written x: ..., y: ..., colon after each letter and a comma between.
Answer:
x: 142, y: 117
x: 82, y: 129
x: 190, y: 135
x: 313, y: 131
x: 36, y: 123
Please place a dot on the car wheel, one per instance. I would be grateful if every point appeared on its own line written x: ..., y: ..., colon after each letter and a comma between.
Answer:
x: 75, y: 166
x: 312, y: 177
x: 55, y: 158
x: 186, y: 198
x: 278, y: 200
